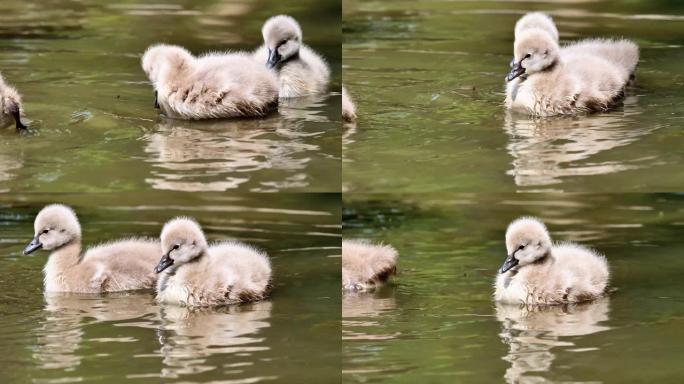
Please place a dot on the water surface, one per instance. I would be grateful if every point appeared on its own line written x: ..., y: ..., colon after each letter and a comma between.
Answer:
x: 436, y: 322
x: 90, y: 106
x: 428, y: 78
x: 126, y: 337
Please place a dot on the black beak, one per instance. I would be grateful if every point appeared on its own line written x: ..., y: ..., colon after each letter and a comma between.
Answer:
x: 33, y: 245
x: 510, y: 262
x: 512, y: 62
x: 273, y: 58
x: 165, y: 262
x: 156, y: 100
x: 516, y: 70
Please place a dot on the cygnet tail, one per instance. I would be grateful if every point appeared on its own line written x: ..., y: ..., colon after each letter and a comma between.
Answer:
x: 625, y: 53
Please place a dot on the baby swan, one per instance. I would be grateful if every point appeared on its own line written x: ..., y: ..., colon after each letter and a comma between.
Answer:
x: 198, y: 275
x: 348, y: 108
x: 10, y: 105
x: 117, y: 266
x: 301, y: 71
x: 563, y: 83
x: 212, y: 86
x: 538, y: 272
x: 366, y: 265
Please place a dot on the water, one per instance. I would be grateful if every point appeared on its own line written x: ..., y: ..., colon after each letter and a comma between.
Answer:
x: 427, y: 77
x: 436, y: 322
x: 90, y: 106
x: 127, y: 337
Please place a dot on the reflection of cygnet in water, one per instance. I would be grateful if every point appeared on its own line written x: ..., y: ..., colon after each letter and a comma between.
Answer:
x: 307, y: 108
x: 218, y: 156
x: 531, y: 332
x: 545, y: 151
x: 360, y: 312
x: 189, y: 336
x: 60, y: 334
x: 8, y: 163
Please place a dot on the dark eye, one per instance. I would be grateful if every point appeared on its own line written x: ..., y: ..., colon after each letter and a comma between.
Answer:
x: 546, y: 52
x: 521, y: 247
x: 527, y: 56
x: 45, y: 231
x: 175, y: 247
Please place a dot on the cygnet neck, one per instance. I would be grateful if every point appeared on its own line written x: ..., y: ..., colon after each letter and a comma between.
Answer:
x: 67, y: 255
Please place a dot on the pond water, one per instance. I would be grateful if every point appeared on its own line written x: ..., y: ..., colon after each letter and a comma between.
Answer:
x: 436, y: 322
x: 294, y: 336
x: 90, y: 107
x: 428, y: 79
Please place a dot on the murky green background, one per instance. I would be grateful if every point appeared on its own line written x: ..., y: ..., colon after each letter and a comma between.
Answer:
x: 437, y: 322
x: 89, y: 104
x: 428, y: 78
x: 292, y: 337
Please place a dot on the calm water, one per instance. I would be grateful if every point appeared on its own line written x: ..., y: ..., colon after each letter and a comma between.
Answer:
x: 437, y: 323
x: 428, y: 80
x: 128, y: 338
x: 89, y: 104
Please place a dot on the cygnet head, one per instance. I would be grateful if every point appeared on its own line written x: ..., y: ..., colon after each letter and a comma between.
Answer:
x: 158, y: 56
x: 182, y: 241
x: 535, y: 51
x: 282, y: 36
x: 56, y: 225
x: 527, y: 241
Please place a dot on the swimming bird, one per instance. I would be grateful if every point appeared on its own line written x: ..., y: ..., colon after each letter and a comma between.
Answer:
x: 348, y: 107
x: 116, y: 266
x: 212, y: 86
x: 10, y: 105
x: 539, y: 272
x: 621, y: 52
x: 199, y: 275
x: 366, y: 265
x: 556, y: 82
x: 301, y: 71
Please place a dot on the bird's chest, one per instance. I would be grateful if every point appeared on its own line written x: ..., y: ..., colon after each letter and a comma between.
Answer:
x: 522, y: 95
x: 294, y: 82
x: 172, y: 290
x: 510, y: 288
x: 54, y: 278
